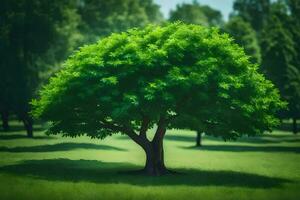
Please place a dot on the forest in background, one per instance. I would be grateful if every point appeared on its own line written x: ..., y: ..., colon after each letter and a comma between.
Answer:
x: 37, y: 36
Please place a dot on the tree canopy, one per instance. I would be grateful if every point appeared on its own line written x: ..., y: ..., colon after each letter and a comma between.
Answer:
x: 196, y: 13
x: 130, y: 81
x: 27, y: 30
x: 253, y: 11
x: 160, y: 70
x: 245, y: 36
x: 281, y: 55
x: 100, y: 18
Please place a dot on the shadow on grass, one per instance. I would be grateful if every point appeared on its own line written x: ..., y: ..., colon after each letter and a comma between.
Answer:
x: 17, y: 136
x: 239, y: 148
x: 266, y: 139
x: 20, y: 127
x: 102, y: 172
x: 59, y: 147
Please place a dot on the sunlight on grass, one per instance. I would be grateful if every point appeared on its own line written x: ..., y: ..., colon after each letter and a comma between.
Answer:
x: 64, y: 168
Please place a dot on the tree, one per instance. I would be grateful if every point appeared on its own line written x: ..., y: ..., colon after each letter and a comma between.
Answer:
x: 294, y: 72
x: 129, y: 82
x: 196, y: 14
x: 28, y: 30
x: 280, y: 57
x: 192, y: 123
x: 253, y: 11
x: 245, y: 36
x: 100, y: 18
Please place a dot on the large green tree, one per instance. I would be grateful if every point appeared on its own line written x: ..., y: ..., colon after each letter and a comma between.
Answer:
x: 245, y: 36
x: 156, y: 76
x: 100, y: 18
x: 195, y: 13
x: 27, y: 30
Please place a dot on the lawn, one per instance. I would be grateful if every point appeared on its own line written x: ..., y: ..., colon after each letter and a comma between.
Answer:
x: 55, y: 167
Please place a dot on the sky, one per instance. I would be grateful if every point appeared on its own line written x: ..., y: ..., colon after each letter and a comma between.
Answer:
x: 225, y: 6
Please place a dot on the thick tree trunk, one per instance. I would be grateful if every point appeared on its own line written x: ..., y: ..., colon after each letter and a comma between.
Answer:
x: 295, y: 128
x: 154, y: 150
x: 199, y: 139
x: 4, y: 116
x: 155, y: 165
x: 28, y: 124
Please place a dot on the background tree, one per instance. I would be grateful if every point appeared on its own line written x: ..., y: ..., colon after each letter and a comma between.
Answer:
x: 28, y: 29
x: 294, y: 72
x: 195, y: 13
x: 253, y: 11
x: 129, y: 82
x: 101, y: 18
x: 280, y: 57
x: 245, y: 36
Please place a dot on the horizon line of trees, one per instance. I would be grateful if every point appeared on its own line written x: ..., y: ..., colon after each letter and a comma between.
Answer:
x: 36, y: 36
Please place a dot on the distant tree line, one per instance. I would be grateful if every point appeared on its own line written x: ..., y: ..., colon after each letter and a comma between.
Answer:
x: 36, y: 36
x: 276, y: 26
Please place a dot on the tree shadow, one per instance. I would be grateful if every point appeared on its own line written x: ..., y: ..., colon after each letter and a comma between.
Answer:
x: 17, y: 136
x: 20, y: 127
x: 103, y: 172
x: 59, y: 147
x: 240, y: 148
x: 266, y: 139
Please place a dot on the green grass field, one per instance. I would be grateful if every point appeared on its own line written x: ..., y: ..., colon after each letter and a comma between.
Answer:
x: 53, y: 167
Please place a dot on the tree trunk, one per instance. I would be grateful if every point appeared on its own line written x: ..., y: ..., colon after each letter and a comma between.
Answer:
x: 295, y: 128
x: 28, y: 123
x: 199, y: 139
x: 155, y: 165
x: 154, y: 150
x: 4, y: 116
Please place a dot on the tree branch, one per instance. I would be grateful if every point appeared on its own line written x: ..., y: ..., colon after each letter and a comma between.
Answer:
x: 144, y: 126
x: 161, y: 129
x: 128, y: 131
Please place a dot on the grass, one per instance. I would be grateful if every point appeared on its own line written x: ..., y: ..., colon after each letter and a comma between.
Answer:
x: 66, y: 168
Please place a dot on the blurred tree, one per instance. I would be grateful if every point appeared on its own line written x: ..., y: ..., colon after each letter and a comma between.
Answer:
x: 293, y: 87
x: 196, y: 14
x: 101, y: 18
x: 245, y: 36
x: 27, y: 30
x: 280, y: 56
x: 253, y: 11
x: 159, y: 75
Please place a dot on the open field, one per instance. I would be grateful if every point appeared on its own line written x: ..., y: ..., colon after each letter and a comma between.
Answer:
x: 52, y: 167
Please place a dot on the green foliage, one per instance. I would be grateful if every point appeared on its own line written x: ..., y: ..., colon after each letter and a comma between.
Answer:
x: 245, y: 36
x: 280, y: 55
x: 100, y: 18
x: 253, y: 11
x: 27, y: 30
x: 177, y: 71
x: 196, y: 14
x: 294, y: 72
